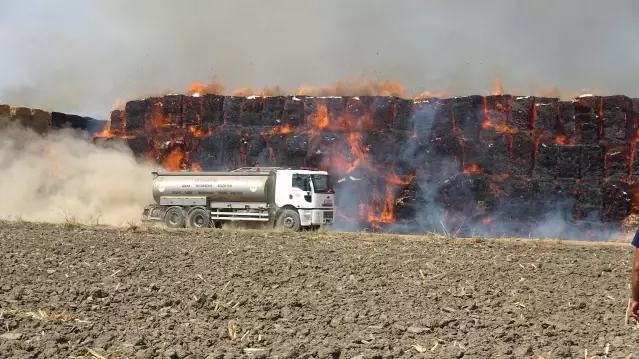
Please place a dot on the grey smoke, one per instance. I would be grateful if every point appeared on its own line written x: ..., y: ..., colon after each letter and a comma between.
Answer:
x: 81, y: 56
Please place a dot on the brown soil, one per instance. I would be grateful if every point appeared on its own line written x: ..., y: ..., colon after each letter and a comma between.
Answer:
x: 75, y: 291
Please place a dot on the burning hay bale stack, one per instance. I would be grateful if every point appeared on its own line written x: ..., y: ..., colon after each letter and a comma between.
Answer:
x: 485, y: 165
x: 42, y: 122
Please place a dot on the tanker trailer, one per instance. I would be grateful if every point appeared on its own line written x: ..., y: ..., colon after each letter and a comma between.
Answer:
x: 288, y: 198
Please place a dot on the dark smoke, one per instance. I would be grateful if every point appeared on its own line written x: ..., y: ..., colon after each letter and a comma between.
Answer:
x: 80, y: 57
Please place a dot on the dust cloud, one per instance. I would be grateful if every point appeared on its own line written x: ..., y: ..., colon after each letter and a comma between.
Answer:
x: 63, y: 177
x: 82, y: 56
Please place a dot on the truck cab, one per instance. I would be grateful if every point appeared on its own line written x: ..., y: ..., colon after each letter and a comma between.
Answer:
x: 309, y: 193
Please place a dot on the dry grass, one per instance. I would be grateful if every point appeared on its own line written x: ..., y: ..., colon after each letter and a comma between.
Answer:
x: 322, y: 234
x: 37, y: 315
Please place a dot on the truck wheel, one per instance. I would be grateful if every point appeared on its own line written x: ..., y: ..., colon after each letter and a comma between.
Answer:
x: 174, y: 217
x: 289, y: 219
x: 198, y: 218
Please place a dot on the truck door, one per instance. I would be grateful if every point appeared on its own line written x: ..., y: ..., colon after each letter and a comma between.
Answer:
x: 300, y: 189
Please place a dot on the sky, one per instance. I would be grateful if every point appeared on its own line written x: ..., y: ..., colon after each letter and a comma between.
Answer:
x: 82, y: 56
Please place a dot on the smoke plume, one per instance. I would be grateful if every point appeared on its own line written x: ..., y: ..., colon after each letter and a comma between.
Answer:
x: 81, y: 56
x: 62, y: 176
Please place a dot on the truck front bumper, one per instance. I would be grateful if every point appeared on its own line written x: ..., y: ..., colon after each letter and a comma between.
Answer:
x: 316, y: 217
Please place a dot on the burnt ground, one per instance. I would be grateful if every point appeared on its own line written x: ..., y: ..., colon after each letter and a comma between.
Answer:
x: 93, y: 293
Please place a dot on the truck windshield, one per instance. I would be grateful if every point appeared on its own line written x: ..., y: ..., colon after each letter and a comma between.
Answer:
x: 322, y: 184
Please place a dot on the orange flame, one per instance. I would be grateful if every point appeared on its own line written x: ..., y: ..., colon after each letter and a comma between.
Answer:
x: 473, y: 168
x: 282, y: 130
x: 198, y: 133
x: 174, y: 161
x: 214, y: 88
x: 561, y: 139
x: 486, y: 220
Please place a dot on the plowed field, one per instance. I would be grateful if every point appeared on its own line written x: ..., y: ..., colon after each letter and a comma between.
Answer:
x: 68, y: 291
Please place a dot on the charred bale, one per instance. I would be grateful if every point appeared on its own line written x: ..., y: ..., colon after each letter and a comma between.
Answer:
x: 136, y: 112
x: 117, y: 119
x: 210, y: 152
x: 545, y: 167
x: 568, y: 161
x: 555, y: 200
x: 517, y: 199
x: 384, y: 148
x: 447, y: 155
x: 522, y: 154
x: 498, y: 109
x: 294, y: 114
x: 587, y: 129
x: 592, y: 164
x: 154, y: 120
x: 616, y: 201
x: 288, y: 150
x: 467, y: 113
x: 433, y: 119
x: 172, y: 106
x: 465, y: 193
x: 382, y: 112
x: 212, y: 112
x: 251, y: 111
x: 490, y: 154
x: 416, y: 154
x: 616, y: 163
x: 566, y: 128
x: 139, y: 145
x: 634, y: 170
x: 616, y: 103
x: 403, y: 112
x: 587, y: 120
x: 590, y: 195
x: 273, y: 110
x: 222, y: 150
x: 615, y: 127
x: 545, y: 116
x: 252, y: 149
x: 192, y: 111
x: 521, y: 113
x: 232, y: 109
x: 359, y: 111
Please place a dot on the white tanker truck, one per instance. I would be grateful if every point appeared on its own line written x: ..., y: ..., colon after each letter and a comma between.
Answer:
x: 289, y: 198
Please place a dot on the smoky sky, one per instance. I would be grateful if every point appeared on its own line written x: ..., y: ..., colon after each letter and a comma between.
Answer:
x: 81, y: 56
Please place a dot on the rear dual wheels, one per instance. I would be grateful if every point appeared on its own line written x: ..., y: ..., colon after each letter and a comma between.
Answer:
x: 175, y: 217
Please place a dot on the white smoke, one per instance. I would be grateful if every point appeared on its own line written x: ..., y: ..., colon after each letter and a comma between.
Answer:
x: 62, y: 176
x: 80, y: 56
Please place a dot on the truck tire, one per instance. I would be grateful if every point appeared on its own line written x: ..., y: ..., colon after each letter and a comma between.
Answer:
x: 174, y: 217
x: 198, y: 218
x: 289, y: 219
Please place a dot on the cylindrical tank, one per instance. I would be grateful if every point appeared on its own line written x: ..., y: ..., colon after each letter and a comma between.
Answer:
x: 216, y: 186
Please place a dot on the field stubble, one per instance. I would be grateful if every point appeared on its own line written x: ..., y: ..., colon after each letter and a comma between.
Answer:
x: 70, y: 291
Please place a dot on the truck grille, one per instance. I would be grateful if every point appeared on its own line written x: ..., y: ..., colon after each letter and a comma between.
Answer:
x: 328, y: 214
